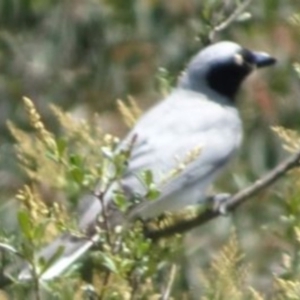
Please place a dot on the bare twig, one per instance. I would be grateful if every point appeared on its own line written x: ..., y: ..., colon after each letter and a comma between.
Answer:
x: 100, y: 196
x: 104, y: 214
x: 36, y: 282
x: 227, y: 22
x: 167, y: 292
x: 233, y: 202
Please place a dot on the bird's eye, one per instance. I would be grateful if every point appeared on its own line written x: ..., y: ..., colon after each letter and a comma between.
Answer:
x: 244, y: 58
x: 247, y: 56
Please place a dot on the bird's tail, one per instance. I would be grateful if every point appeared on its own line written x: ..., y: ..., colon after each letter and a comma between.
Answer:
x: 68, y: 248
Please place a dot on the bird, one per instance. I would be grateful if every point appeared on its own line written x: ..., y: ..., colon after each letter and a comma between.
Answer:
x: 199, y: 113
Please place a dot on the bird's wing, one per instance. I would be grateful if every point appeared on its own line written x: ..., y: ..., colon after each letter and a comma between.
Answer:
x: 213, y: 151
x: 166, y: 135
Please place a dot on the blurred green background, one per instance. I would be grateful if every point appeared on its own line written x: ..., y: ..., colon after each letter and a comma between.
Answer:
x: 85, y: 54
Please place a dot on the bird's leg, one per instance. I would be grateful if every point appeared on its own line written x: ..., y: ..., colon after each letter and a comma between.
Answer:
x: 220, y: 202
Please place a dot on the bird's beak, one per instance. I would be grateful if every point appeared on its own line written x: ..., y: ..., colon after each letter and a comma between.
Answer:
x: 262, y: 59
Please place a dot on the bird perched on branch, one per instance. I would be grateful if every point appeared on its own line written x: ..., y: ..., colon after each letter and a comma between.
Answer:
x: 200, y: 113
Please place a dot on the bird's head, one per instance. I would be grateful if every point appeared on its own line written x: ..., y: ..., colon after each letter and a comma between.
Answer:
x: 222, y: 67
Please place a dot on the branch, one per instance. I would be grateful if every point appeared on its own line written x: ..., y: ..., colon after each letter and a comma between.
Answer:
x: 227, y: 22
x: 233, y: 202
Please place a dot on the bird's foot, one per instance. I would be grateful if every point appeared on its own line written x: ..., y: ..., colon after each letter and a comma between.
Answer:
x: 220, y: 203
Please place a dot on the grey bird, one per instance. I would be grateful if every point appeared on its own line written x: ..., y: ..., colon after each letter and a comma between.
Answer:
x: 200, y: 113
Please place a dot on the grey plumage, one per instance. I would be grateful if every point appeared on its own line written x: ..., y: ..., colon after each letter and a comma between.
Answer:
x: 199, y: 113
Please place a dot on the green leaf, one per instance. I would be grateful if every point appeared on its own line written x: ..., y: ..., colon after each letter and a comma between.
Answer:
x: 77, y: 174
x: 153, y: 193
x: 39, y: 230
x: 61, y: 146
x: 27, y: 251
x: 108, y: 263
x: 120, y: 163
x: 148, y: 177
x: 52, y: 156
x: 121, y: 201
x: 9, y: 248
x: 25, y: 224
x: 76, y: 160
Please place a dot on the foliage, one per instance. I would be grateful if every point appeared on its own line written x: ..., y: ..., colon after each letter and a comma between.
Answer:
x: 83, y: 55
x: 126, y: 265
x: 227, y: 276
x: 127, y: 260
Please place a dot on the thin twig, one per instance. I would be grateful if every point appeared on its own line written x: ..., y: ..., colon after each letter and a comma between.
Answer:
x: 167, y: 293
x: 105, y: 282
x: 36, y: 282
x: 233, y: 202
x: 104, y: 213
x: 227, y: 22
x: 100, y: 195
